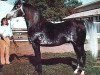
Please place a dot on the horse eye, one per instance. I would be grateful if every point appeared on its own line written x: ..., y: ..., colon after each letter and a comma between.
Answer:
x: 16, y: 7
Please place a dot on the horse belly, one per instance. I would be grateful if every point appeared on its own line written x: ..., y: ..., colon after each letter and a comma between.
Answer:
x: 48, y: 42
x: 56, y: 40
x: 52, y: 42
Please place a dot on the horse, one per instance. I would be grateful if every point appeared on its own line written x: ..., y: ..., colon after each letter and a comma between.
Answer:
x: 42, y: 32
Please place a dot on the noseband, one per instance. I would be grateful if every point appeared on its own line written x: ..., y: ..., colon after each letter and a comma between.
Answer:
x: 21, y: 8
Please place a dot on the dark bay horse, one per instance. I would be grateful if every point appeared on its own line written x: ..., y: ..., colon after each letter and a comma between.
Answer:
x: 44, y: 33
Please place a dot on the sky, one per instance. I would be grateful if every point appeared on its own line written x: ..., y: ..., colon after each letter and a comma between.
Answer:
x: 86, y: 1
x: 11, y: 1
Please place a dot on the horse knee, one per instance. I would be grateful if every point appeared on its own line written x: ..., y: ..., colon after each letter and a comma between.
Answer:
x: 38, y: 68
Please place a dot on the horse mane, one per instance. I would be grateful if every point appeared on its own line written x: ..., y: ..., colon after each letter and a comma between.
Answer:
x: 30, y: 6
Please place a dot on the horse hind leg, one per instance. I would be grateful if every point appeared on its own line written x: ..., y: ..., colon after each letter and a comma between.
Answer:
x: 83, y: 59
x: 80, y: 52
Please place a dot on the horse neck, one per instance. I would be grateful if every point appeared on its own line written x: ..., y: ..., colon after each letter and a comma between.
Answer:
x: 33, y: 17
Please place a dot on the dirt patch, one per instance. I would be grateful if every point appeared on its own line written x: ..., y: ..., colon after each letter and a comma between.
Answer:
x: 26, y: 48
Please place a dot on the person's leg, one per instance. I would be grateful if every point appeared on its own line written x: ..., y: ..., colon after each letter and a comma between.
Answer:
x: 2, y: 52
x: 7, y: 56
x: 7, y: 51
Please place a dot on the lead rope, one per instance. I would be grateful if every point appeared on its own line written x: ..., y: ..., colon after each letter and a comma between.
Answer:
x: 15, y: 44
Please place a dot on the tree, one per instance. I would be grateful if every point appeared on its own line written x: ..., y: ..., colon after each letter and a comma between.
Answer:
x: 71, y: 4
x: 55, y: 9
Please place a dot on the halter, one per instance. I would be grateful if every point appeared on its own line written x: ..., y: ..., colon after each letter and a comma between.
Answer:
x: 21, y: 8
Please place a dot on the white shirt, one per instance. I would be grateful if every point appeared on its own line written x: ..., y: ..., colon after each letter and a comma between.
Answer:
x: 6, y: 30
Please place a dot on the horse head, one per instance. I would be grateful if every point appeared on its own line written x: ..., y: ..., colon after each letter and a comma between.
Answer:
x: 20, y: 9
x: 17, y: 10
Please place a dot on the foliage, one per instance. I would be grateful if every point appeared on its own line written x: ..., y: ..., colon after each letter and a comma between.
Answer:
x: 55, y: 9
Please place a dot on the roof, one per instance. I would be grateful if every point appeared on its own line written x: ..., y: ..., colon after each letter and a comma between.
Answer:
x: 91, y: 3
x: 84, y: 14
x: 90, y: 9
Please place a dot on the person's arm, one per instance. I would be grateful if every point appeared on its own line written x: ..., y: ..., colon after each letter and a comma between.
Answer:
x: 1, y: 33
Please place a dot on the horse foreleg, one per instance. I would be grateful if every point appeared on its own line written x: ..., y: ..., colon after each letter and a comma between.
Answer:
x: 38, y: 65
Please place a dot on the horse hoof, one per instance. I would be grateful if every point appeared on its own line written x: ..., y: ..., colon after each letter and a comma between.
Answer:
x: 76, y: 71
x: 82, y: 73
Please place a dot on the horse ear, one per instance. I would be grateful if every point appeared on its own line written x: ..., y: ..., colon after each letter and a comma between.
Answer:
x: 18, y: 2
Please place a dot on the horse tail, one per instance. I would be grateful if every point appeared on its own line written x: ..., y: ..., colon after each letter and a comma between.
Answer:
x: 91, y: 36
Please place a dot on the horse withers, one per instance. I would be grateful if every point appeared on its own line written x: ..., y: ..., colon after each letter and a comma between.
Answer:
x: 44, y: 33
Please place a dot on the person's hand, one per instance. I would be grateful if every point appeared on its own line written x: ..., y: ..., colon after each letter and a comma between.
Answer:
x: 14, y: 41
x: 1, y: 36
x: 16, y: 45
x: 11, y: 37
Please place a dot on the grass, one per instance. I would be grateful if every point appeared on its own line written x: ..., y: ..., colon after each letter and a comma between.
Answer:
x: 53, y: 64
x: 93, y: 68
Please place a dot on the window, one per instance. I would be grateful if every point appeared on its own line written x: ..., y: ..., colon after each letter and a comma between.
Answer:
x: 97, y: 23
x: 98, y: 26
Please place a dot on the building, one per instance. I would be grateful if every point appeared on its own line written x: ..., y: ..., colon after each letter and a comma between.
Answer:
x: 19, y: 29
x: 91, y: 10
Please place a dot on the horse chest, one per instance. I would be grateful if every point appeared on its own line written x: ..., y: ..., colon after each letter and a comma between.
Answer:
x: 43, y: 39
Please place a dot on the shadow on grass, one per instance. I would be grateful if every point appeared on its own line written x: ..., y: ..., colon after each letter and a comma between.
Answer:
x: 51, y: 61
x: 1, y: 66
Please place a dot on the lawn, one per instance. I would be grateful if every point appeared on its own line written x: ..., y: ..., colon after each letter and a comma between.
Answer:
x: 52, y: 63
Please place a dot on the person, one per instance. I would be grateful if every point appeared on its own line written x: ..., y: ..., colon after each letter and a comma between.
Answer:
x: 6, y: 34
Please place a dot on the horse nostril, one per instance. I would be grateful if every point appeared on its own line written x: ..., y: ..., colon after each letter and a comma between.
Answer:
x: 8, y: 16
